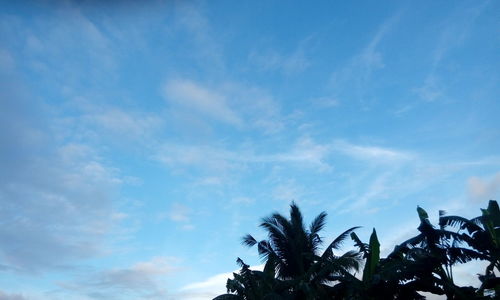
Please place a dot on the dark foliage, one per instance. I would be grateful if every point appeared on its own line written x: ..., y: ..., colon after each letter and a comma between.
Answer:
x: 295, y: 268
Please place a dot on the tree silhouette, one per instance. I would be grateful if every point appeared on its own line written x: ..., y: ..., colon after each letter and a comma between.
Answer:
x: 294, y: 253
x: 297, y: 268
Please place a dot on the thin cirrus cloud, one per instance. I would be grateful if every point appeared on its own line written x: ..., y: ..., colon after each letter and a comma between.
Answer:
x: 304, y: 152
x: 145, y: 279
x: 181, y: 214
x: 56, y: 197
x: 210, y: 287
x: 190, y: 96
x: 231, y: 103
x: 456, y: 29
x: 76, y: 108
x: 289, y: 64
x: 372, y: 153
x: 360, y: 67
x: 483, y: 188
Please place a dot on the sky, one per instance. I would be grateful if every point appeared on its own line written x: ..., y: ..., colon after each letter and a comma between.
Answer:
x: 140, y: 140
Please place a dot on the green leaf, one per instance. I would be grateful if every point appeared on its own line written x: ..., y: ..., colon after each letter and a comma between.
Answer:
x: 373, y: 257
x: 422, y: 214
x: 228, y: 297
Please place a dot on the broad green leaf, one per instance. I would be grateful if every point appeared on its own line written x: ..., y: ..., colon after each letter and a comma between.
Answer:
x: 373, y: 257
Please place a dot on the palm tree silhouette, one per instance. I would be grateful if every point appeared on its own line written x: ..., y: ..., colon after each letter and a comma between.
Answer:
x: 294, y: 252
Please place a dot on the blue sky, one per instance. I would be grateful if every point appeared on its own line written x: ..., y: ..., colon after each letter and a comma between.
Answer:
x: 140, y: 142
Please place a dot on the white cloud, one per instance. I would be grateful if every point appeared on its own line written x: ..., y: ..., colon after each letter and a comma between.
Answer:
x: 431, y: 90
x: 377, y: 190
x: 325, y: 102
x: 289, y: 191
x: 289, y: 64
x: 9, y: 296
x: 208, y: 157
x: 56, y: 198
x: 356, y: 74
x: 483, y: 189
x: 209, y: 288
x: 371, y: 153
x: 243, y: 200
x: 180, y: 214
x: 455, y: 30
x: 243, y: 107
x: 127, y: 124
x: 305, y: 152
x: 191, y: 18
x: 145, y: 280
x: 57, y: 209
x: 194, y: 97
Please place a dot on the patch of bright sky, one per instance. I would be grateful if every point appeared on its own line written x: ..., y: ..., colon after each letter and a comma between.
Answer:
x: 141, y: 141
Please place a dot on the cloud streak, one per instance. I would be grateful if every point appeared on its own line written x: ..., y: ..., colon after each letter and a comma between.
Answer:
x: 456, y: 29
x: 304, y: 152
x: 359, y: 69
x: 143, y: 279
x: 480, y: 189
x: 193, y: 97
x: 56, y: 198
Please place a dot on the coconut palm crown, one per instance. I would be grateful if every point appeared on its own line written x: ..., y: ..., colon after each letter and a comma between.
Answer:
x: 294, y: 250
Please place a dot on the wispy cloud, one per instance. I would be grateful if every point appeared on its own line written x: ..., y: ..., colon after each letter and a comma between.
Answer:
x: 325, y: 102
x: 371, y: 153
x: 480, y: 189
x: 231, y: 103
x: 210, y: 287
x: 289, y: 64
x: 456, y: 29
x: 207, y: 289
x: 193, y: 97
x: 144, y: 279
x: 56, y: 197
x: 304, y: 152
x: 359, y: 69
x: 190, y: 18
x: 128, y: 124
x: 180, y: 214
x: 9, y: 296
x: 288, y: 191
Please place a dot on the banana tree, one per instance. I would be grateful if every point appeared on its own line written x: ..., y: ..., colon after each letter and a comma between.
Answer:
x: 381, y: 278
x: 434, y: 252
x: 483, y: 235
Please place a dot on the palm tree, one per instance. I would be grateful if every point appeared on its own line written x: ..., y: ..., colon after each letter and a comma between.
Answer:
x: 293, y: 252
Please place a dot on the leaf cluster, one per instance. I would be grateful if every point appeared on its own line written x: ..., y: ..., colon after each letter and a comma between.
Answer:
x: 296, y: 268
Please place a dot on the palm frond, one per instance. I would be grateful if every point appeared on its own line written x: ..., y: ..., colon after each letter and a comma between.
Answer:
x: 337, y: 242
x: 460, y: 222
x: 248, y: 240
x: 228, y: 297
x: 463, y: 255
x: 318, y: 223
x: 363, y: 247
x: 240, y: 263
x: 296, y: 219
